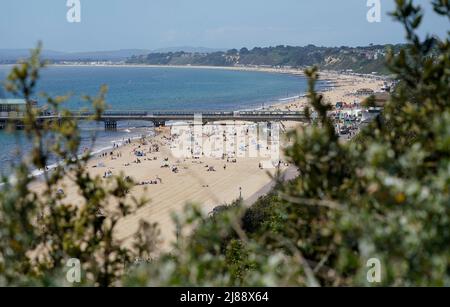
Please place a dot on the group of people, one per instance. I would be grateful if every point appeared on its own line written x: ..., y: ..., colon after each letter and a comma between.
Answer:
x: 231, y: 160
x: 148, y: 182
x: 107, y: 174
x: 153, y: 148
x: 154, y: 181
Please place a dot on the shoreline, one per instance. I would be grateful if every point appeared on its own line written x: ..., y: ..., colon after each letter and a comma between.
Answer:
x: 255, y: 68
x: 193, y: 183
x: 275, y: 70
x: 272, y: 104
x: 206, y: 67
x: 264, y: 104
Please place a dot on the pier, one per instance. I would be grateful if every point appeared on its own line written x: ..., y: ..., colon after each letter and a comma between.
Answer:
x: 110, y: 118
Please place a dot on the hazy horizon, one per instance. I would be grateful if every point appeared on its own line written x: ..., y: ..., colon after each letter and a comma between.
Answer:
x: 161, y: 24
x: 169, y: 49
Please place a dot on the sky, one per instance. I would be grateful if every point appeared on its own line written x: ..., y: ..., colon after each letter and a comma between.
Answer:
x: 153, y: 24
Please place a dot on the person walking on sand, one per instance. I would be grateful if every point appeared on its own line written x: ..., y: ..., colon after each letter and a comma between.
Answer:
x: 158, y: 178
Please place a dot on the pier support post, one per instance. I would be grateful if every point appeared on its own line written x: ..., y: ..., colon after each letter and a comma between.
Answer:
x: 269, y: 129
x: 110, y: 125
x: 159, y: 123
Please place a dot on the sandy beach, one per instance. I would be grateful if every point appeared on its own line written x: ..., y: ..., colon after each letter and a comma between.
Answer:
x: 171, y: 182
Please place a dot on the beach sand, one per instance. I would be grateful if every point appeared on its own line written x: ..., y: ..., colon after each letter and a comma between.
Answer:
x: 193, y: 183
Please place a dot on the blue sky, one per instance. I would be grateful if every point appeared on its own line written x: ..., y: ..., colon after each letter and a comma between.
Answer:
x: 151, y: 24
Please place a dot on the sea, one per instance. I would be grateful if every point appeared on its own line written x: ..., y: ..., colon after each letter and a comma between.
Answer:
x: 149, y: 89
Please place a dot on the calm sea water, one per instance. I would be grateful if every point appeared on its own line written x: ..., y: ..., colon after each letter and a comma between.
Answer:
x: 145, y: 88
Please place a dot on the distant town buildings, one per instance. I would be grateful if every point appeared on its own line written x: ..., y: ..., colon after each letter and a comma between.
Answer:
x: 14, y: 105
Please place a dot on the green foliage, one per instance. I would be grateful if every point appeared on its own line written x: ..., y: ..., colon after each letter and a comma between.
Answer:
x: 361, y: 59
x: 383, y: 195
x: 39, y: 232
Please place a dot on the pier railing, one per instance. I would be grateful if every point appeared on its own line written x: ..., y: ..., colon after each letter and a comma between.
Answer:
x: 159, y: 118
